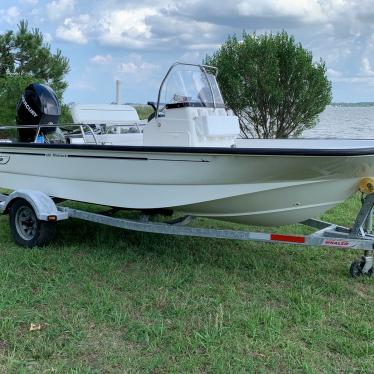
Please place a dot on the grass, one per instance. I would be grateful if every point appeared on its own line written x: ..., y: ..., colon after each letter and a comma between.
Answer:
x: 117, y: 301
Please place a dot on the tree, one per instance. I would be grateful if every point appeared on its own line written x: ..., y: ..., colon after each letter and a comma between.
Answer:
x: 272, y: 84
x: 25, y: 58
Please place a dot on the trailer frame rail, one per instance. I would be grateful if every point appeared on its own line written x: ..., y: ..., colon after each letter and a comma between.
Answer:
x: 330, y: 235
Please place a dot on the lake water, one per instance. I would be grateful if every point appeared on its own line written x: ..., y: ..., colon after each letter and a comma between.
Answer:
x: 344, y: 122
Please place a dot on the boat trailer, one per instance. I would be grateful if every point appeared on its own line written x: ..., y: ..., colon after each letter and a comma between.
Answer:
x: 33, y: 216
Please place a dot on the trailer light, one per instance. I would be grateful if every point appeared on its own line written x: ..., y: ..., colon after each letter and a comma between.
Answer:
x: 52, y: 218
x: 367, y: 185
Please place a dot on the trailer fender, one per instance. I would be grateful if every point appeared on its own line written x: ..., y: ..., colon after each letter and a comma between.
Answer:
x: 44, y: 207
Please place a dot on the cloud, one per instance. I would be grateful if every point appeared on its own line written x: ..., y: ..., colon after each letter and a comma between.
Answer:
x: 101, y: 60
x: 13, y: 12
x: 304, y: 10
x: 254, y: 14
x: 30, y: 2
x: 182, y: 32
x: 47, y: 37
x: 74, y: 30
x: 368, y: 70
x: 136, y: 67
x: 192, y: 57
x: 155, y: 28
x: 204, y: 24
x: 341, y: 32
x: 332, y: 73
x: 82, y: 84
x: 363, y: 82
x: 58, y: 9
x: 10, y: 15
x: 126, y: 28
x: 195, y: 24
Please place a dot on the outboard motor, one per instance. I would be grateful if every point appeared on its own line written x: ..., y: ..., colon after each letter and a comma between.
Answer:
x: 38, y: 106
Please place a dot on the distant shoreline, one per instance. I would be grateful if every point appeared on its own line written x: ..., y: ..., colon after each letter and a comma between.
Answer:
x: 342, y: 104
x: 360, y: 104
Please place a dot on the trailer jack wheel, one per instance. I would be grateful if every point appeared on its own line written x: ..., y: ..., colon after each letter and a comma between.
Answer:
x: 357, y: 268
x: 27, y: 230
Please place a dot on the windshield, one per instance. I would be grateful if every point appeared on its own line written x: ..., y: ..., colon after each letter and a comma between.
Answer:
x: 191, y: 86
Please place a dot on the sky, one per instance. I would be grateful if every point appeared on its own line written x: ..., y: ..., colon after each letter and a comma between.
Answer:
x: 136, y: 41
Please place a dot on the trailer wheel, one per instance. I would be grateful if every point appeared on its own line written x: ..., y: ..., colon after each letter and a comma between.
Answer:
x: 357, y: 267
x: 25, y: 227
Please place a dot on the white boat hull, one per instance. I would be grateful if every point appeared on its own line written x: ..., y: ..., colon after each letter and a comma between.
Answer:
x: 248, y: 188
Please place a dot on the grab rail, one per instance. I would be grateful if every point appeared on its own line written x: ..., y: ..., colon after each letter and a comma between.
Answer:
x: 39, y: 127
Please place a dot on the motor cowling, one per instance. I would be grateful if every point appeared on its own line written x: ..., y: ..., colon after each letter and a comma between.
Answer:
x: 37, y: 106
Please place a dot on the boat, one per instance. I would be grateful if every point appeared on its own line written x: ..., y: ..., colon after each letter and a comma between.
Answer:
x: 188, y: 158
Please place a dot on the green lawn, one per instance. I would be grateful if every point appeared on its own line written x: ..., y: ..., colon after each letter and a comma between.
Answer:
x: 117, y: 301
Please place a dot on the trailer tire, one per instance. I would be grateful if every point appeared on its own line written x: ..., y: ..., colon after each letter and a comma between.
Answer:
x: 356, y: 268
x: 27, y: 230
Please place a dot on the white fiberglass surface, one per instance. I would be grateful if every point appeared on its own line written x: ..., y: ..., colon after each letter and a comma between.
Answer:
x: 103, y: 113
x: 306, y: 143
x: 189, y: 84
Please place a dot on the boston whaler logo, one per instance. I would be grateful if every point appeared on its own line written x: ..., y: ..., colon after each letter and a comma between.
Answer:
x: 338, y: 243
x: 28, y: 107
